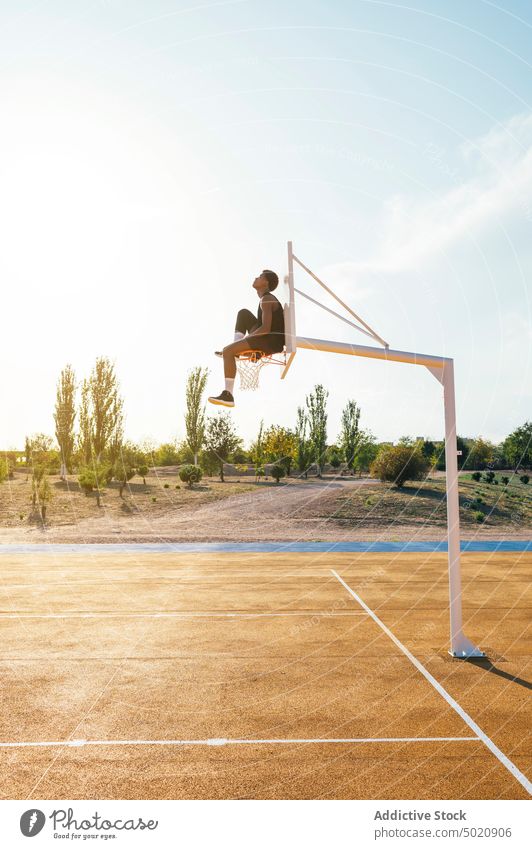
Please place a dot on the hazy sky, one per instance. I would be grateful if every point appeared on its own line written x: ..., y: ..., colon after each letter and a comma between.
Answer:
x: 157, y: 155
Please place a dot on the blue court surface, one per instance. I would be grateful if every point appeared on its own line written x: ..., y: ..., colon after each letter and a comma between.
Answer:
x: 280, y: 547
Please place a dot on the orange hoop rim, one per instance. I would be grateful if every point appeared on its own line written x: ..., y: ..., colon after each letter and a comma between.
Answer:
x: 263, y: 357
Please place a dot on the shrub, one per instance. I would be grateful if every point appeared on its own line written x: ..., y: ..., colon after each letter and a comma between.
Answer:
x: 489, y: 477
x: 400, y: 463
x: 142, y: 470
x: 524, y: 479
x: 166, y: 486
x: 476, y: 476
x: 123, y: 472
x: 278, y: 471
x: 479, y: 516
x: 190, y: 474
x: 505, y: 480
x: 94, y: 478
x: 87, y: 479
x: 335, y: 458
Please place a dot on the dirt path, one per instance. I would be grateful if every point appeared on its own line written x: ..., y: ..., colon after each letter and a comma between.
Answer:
x: 291, y: 511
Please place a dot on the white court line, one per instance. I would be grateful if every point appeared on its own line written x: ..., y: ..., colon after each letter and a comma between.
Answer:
x: 223, y: 741
x: 505, y: 761
x: 201, y: 615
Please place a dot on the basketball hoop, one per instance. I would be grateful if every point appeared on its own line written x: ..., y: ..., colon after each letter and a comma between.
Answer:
x: 249, y: 365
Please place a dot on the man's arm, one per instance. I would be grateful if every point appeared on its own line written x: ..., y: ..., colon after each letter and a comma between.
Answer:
x: 267, y: 313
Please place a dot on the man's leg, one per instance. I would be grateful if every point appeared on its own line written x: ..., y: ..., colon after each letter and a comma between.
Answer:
x: 230, y: 352
x: 245, y: 323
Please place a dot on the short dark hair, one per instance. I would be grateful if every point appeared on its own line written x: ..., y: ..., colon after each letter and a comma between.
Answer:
x: 271, y: 277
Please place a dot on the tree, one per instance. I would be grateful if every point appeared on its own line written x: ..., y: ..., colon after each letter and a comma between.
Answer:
x: 334, y: 456
x: 64, y: 417
x: 101, y: 413
x: 399, y: 463
x: 41, y: 459
x: 44, y: 495
x: 278, y: 471
x: 195, y: 412
x: 221, y: 439
x: 257, y: 452
x: 84, y: 435
x: 480, y: 453
x: 279, y: 446
x: 317, y: 418
x: 518, y: 447
x: 350, y: 433
x: 167, y: 454
x: 125, y: 466
x: 4, y: 470
x: 303, y: 446
x: 366, y: 452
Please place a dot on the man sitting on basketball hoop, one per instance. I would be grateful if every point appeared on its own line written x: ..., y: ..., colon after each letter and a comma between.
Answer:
x: 265, y: 333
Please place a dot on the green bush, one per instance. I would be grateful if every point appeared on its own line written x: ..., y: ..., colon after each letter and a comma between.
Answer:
x: 87, y: 479
x: 122, y: 472
x: 94, y: 478
x: 335, y: 458
x: 476, y: 476
x: 190, y: 474
x: 489, y: 477
x: 479, y: 516
x: 166, y: 486
x: 278, y: 471
x: 142, y: 471
x: 400, y: 463
x: 505, y: 480
x: 524, y: 479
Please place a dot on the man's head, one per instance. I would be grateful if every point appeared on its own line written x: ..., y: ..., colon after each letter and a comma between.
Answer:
x: 267, y: 280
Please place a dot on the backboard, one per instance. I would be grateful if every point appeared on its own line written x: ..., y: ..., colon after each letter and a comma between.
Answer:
x: 289, y: 314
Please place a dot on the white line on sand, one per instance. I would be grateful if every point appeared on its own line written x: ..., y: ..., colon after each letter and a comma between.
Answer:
x: 505, y: 761
x: 309, y: 614
x: 223, y: 741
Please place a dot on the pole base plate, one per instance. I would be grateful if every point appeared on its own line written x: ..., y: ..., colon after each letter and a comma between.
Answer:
x: 463, y: 648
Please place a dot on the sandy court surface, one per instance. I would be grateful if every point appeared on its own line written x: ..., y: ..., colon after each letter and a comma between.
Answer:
x: 149, y: 675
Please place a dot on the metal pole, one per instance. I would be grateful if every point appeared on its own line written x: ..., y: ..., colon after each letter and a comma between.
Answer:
x: 443, y: 370
x: 427, y: 360
x: 460, y: 645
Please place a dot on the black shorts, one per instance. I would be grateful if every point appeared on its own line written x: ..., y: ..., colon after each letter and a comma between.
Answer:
x: 270, y: 343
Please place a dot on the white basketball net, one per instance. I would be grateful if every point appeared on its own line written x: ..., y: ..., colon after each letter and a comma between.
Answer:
x: 249, y: 366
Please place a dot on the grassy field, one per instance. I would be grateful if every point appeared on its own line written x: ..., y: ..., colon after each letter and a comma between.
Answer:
x: 492, y: 505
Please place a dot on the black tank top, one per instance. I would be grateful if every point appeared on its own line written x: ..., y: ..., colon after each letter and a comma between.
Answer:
x: 277, y: 318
